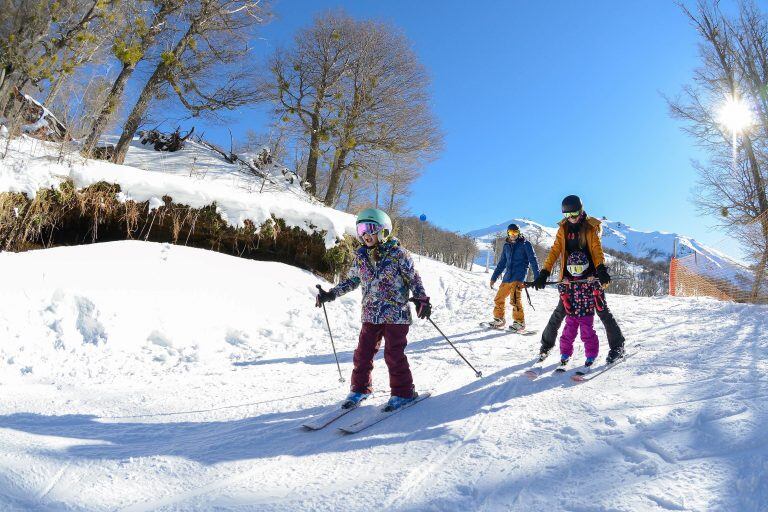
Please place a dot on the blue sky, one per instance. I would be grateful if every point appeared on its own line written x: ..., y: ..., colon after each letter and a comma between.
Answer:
x: 539, y: 100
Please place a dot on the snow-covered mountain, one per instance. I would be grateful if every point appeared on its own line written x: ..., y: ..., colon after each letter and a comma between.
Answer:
x: 132, y: 381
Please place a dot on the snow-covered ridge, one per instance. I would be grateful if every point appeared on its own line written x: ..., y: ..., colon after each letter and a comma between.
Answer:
x: 194, y: 176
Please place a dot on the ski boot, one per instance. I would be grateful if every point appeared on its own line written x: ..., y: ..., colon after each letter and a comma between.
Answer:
x: 396, y: 402
x: 517, y: 326
x: 543, y: 354
x: 563, y: 363
x: 589, y: 361
x: 614, y: 355
x: 497, y: 323
x: 353, y: 400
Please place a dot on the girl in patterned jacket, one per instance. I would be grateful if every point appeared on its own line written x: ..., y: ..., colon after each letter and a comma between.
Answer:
x: 387, y: 275
x: 580, y: 294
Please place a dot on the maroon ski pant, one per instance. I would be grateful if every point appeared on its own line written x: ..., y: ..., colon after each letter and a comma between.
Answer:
x: 400, y: 378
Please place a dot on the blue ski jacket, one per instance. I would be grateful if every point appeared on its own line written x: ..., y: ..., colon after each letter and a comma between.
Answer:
x: 514, y: 261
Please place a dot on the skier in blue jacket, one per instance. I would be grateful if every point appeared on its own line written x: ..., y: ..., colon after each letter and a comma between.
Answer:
x: 516, y: 256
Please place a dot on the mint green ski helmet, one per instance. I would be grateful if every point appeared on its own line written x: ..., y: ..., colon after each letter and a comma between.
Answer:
x: 376, y: 216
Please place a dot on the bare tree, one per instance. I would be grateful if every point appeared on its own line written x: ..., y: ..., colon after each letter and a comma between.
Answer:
x: 384, y: 104
x: 305, y: 78
x: 732, y: 184
x: 145, y: 20
x: 205, y: 69
x: 41, y: 40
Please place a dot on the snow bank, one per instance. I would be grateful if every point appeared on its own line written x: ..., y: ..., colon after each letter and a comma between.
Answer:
x: 195, y: 177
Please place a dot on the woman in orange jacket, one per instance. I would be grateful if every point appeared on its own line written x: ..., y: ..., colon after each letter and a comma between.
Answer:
x: 578, y: 232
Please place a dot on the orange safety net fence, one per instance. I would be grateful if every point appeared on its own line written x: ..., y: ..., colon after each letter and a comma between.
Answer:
x: 697, y: 274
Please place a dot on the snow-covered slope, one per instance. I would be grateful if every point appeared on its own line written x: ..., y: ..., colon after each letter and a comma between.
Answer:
x: 138, y: 376
x: 195, y: 176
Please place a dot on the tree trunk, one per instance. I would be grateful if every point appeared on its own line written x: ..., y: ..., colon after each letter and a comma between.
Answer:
x: 336, y: 170
x: 139, y: 109
x: 760, y: 187
x: 149, y: 91
x: 55, y: 88
x: 350, y: 194
x: 314, y: 152
x: 5, y: 91
x: 108, y: 109
x: 760, y: 274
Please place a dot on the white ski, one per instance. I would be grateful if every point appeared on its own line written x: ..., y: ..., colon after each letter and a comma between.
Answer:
x: 488, y: 325
x: 324, y: 419
x: 579, y: 374
x: 602, y: 370
x: 378, y: 414
x: 535, y: 371
x: 522, y: 332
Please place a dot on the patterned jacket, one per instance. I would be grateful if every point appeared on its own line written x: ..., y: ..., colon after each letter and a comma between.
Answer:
x: 580, y: 298
x: 385, y: 282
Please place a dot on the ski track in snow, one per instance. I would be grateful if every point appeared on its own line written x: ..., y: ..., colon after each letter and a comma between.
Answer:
x: 154, y: 391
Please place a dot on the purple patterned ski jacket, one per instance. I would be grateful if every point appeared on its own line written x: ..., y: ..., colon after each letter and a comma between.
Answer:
x: 386, y: 283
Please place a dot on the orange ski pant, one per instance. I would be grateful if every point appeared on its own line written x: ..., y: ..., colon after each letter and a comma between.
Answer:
x: 512, y: 290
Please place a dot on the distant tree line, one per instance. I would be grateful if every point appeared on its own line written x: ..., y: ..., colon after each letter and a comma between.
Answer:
x: 438, y: 244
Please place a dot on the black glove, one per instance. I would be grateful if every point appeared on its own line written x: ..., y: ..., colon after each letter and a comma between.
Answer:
x: 540, y: 282
x: 324, y: 296
x: 423, y: 307
x: 602, y: 274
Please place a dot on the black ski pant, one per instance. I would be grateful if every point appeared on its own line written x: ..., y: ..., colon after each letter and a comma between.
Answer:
x: 549, y: 336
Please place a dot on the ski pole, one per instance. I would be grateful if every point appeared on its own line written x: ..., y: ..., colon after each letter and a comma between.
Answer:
x: 341, y: 379
x: 477, y: 373
x: 528, y: 296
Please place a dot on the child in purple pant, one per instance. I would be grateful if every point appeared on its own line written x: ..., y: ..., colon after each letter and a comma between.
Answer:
x: 580, y: 293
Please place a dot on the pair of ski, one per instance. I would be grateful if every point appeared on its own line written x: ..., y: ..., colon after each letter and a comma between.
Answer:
x: 521, y: 332
x: 582, y: 373
x: 368, y: 416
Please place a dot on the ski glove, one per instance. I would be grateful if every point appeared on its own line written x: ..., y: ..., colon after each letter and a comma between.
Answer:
x: 602, y: 274
x: 540, y: 282
x: 324, y: 296
x: 423, y: 307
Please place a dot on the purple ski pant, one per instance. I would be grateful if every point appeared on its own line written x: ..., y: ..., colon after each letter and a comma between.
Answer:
x: 574, y: 324
x: 400, y: 379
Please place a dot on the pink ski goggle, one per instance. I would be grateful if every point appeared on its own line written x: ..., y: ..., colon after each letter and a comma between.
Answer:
x: 368, y: 228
